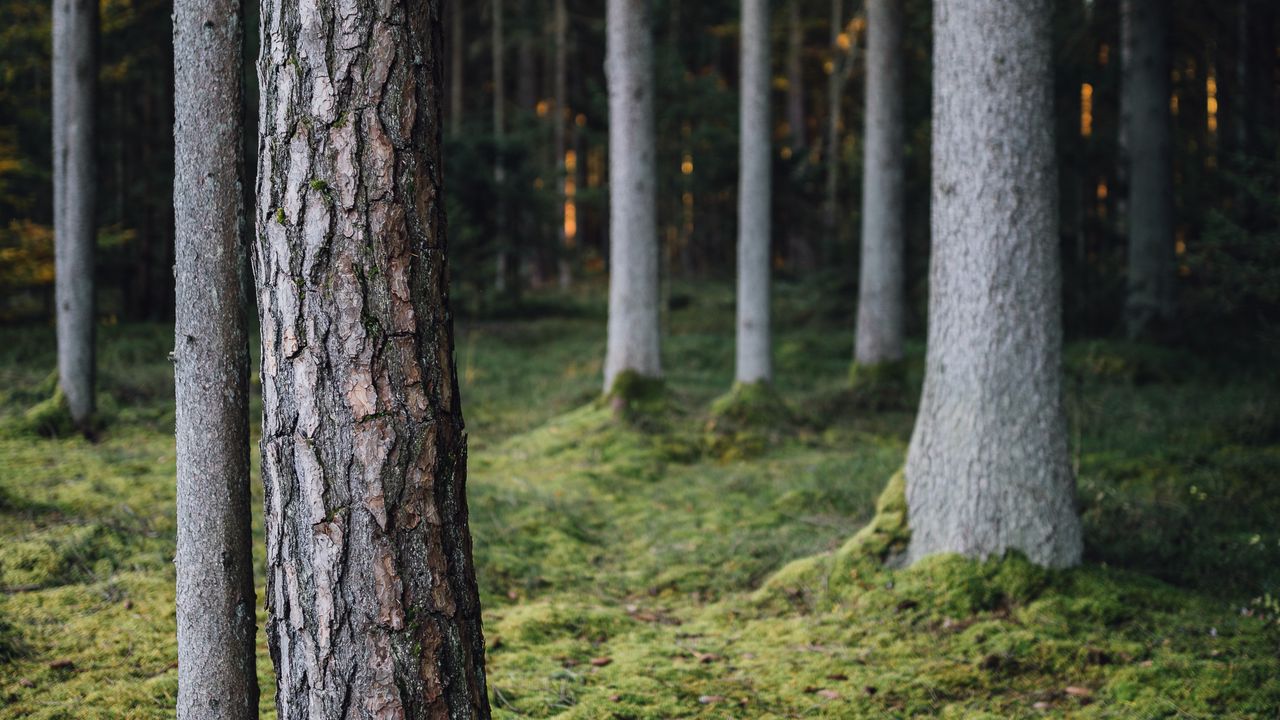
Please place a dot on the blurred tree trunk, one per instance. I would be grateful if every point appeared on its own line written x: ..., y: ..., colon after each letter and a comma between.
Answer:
x: 498, y: 49
x: 795, y: 78
x: 560, y: 116
x: 841, y: 66
x: 987, y: 470
x: 755, y: 342
x: 75, y: 73
x: 457, y: 66
x: 882, y: 286
x: 633, y: 343
x: 1148, y: 133
x: 217, y: 670
x: 371, y: 589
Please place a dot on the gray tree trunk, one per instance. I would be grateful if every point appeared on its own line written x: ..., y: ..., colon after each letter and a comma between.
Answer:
x: 633, y: 343
x: 795, y: 77
x: 559, y: 116
x: 755, y: 341
x: 217, y: 672
x: 1148, y: 133
x: 374, y: 610
x: 881, y: 286
x: 75, y: 72
x: 987, y: 469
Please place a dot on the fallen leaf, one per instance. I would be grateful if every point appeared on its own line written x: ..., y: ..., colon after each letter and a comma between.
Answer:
x: 1042, y: 705
x: 26, y: 683
x: 1076, y: 691
x: 63, y: 664
x: 601, y: 661
x: 615, y: 698
x: 840, y: 677
x: 829, y: 694
x: 709, y: 699
x: 705, y: 658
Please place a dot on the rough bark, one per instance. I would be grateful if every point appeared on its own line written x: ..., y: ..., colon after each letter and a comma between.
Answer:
x: 374, y: 611
x: 755, y: 342
x: 633, y: 343
x: 881, y: 286
x: 75, y: 72
x: 987, y: 470
x: 217, y: 672
x: 1148, y: 132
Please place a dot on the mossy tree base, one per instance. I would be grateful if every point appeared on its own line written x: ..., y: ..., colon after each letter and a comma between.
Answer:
x: 882, y: 386
x: 641, y: 401
x: 742, y: 422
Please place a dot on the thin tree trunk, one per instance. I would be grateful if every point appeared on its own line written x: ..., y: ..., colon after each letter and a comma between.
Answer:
x: 527, y: 73
x: 841, y: 66
x: 75, y: 40
x: 457, y: 65
x: 217, y: 671
x: 988, y: 470
x: 755, y: 342
x: 374, y: 610
x: 1147, y: 86
x: 633, y: 343
x: 795, y: 77
x: 498, y: 42
x: 559, y: 117
x: 882, y: 286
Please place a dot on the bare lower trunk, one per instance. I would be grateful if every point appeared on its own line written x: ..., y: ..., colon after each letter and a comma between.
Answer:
x: 217, y: 672
x: 371, y: 590
x: 75, y: 30
x: 633, y: 343
x: 755, y: 343
x: 1149, y: 136
x: 987, y: 470
x: 881, y: 287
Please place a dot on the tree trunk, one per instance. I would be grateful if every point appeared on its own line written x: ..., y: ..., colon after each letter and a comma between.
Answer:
x: 633, y: 343
x: 841, y: 66
x: 882, y: 286
x: 987, y: 470
x: 795, y: 77
x: 374, y: 610
x: 498, y: 46
x: 457, y: 64
x: 527, y: 75
x: 1149, y: 135
x: 755, y: 343
x: 559, y: 117
x: 217, y: 671
x: 75, y: 71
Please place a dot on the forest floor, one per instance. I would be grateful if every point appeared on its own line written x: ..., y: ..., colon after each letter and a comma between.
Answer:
x: 664, y: 563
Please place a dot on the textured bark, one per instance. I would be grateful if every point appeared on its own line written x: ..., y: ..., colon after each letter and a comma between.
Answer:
x: 633, y: 343
x: 75, y: 72
x: 560, y: 29
x: 217, y: 672
x: 1148, y: 135
x: 374, y: 611
x: 987, y: 470
x: 795, y: 77
x: 755, y: 342
x: 881, y: 286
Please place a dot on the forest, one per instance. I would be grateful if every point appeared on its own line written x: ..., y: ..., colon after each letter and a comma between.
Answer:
x: 639, y: 359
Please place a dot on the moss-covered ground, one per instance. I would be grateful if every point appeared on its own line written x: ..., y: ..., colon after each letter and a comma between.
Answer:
x: 650, y: 564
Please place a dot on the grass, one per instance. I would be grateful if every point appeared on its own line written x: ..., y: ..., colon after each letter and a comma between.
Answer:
x: 662, y: 562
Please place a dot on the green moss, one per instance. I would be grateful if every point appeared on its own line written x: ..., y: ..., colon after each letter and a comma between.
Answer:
x: 280, y: 219
x: 50, y: 417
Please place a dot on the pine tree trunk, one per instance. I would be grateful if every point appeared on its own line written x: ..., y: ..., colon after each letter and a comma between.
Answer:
x: 457, y: 64
x: 498, y: 48
x: 75, y: 72
x: 755, y: 342
x: 1147, y: 87
x: 881, y: 287
x: 374, y: 610
x: 987, y: 470
x: 633, y: 343
x: 217, y: 671
x: 795, y: 77
x: 559, y: 117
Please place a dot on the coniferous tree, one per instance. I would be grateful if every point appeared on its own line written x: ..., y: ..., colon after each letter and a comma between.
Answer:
x: 987, y: 470
x: 216, y: 607
x: 633, y: 342
x: 75, y: 72
x: 755, y: 341
x: 371, y: 590
x: 1148, y: 134
x: 881, y: 286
